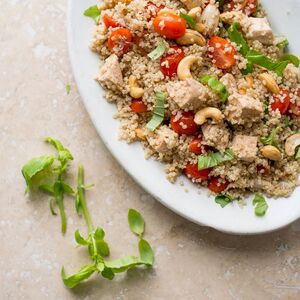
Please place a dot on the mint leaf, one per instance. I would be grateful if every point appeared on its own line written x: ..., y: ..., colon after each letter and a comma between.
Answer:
x: 146, y: 252
x: 73, y: 280
x: 93, y: 12
x: 261, y: 206
x: 223, y: 200
x: 136, y: 222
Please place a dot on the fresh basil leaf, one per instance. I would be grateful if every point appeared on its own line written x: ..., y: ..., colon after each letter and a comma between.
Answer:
x: 93, y: 12
x: 146, y: 252
x: 136, y: 222
x: 190, y: 21
x: 290, y: 58
x: 271, y: 139
x: 68, y: 89
x: 297, y: 156
x: 236, y: 37
x: 158, y: 112
x: 108, y: 273
x: 80, y: 240
x: 52, y: 202
x: 63, y: 153
x: 214, y: 159
x: 261, y: 206
x: 158, y: 51
x: 36, y: 166
x: 223, y: 200
x: 123, y: 264
x: 75, y: 279
x: 216, y: 86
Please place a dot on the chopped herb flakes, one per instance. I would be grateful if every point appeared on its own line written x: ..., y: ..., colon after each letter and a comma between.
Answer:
x: 158, y: 112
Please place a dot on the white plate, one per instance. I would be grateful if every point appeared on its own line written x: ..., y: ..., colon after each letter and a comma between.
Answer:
x: 193, y: 205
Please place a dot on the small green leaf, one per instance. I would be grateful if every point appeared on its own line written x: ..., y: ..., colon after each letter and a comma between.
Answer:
x: 36, y: 166
x: 99, y: 234
x: 68, y: 89
x: 73, y: 280
x: 223, y: 200
x: 52, y: 202
x: 271, y: 139
x: 67, y: 189
x: 286, y: 121
x: 108, y: 274
x: 93, y: 12
x: 123, y: 264
x: 261, y: 206
x: 158, y: 51
x: 290, y: 58
x: 79, y: 239
x: 297, y: 156
x: 216, y: 86
x: 283, y: 43
x: 63, y: 153
x: 146, y: 252
x: 190, y: 21
x: 103, y: 248
x: 158, y: 112
x: 236, y: 37
x: 214, y: 159
x: 46, y: 188
x: 136, y: 222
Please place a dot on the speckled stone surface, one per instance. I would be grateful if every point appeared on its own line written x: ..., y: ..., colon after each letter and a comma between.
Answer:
x: 192, y: 262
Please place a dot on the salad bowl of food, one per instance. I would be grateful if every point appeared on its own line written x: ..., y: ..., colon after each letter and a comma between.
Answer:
x: 198, y: 101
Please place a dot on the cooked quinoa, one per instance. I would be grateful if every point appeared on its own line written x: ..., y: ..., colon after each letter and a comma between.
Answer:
x: 257, y: 104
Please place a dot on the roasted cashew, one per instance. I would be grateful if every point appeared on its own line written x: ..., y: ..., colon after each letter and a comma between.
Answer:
x: 191, y: 37
x: 195, y: 13
x: 184, y: 67
x: 291, y: 144
x: 269, y: 82
x: 134, y: 90
x: 271, y: 153
x: 208, y: 113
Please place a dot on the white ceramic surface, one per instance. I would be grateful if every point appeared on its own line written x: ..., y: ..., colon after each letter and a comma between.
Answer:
x: 194, y: 205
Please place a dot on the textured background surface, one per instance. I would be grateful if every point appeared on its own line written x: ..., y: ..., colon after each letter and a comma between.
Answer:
x: 192, y: 262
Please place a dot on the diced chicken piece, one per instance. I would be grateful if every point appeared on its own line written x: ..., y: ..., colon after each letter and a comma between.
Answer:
x: 193, y: 3
x: 164, y: 139
x: 245, y: 147
x: 188, y: 94
x: 210, y: 18
x: 216, y: 135
x: 110, y: 73
x: 260, y: 29
x: 292, y: 74
x: 229, y: 81
x: 243, y: 109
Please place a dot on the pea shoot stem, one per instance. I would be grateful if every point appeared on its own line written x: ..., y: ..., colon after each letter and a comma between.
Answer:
x: 81, y: 192
x: 60, y: 203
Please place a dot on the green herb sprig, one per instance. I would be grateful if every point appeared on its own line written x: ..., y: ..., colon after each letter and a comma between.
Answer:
x: 215, y: 85
x: 223, y: 200
x: 158, y: 111
x: 214, y: 159
x: 271, y: 139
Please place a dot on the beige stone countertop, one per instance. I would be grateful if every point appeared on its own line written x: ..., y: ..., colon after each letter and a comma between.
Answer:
x: 191, y: 262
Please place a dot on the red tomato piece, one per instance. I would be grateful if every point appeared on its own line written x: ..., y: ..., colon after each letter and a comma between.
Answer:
x: 169, y: 25
x: 110, y: 21
x: 184, y: 124
x: 281, y: 102
x: 222, y: 52
x: 169, y: 63
x: 138, y: 106
x: 218, y: 185
x: 231, y: 5
x: 249, y: 7
x: 120, y: 41
x: 264, y: 171
x: 153, y: 10
x: 196, y: 146
x: 191, y: 170
x: 294, y: 108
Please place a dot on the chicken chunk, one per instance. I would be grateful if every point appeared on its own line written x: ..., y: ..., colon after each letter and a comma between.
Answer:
x: 292, y: 74
x: 260, y: 29
x: 210, y: 18
x: 192, y: 3
x: 243, y: 109
x: 216, y: 136
x: 230, y: 83
x: 188, y: 94
x: 245, y: 147
x: 164, y: 139
x: 110, y: 73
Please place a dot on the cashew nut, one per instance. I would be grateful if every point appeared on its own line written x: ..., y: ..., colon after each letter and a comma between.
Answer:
x: 269, y: 82
x: 134, y: 90
x: 291, y: 144
x: 191, y: 37
x: 140, y: 134
x: 208, y: 113
x: 195, y: 13
x: 250, y: 81
x: 184, y: 67
x: 271, y: 153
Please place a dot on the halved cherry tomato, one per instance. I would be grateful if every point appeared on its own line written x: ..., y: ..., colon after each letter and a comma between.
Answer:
x: 153, y: 10
x: 294, y: 108
x: 231, y: 5
x: 169, y: 25
x: 119, y: 41
x: 184, y: 124
x: 196, y: 147
x: 138, y: 106
x: 281, y: 102
x: 222, y: 52
x: 170, y: 62
x: 191, y: 170
x: 264, y: 171
x: 218, y: 185
x: 249, y: 7
x: 110, y: 21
